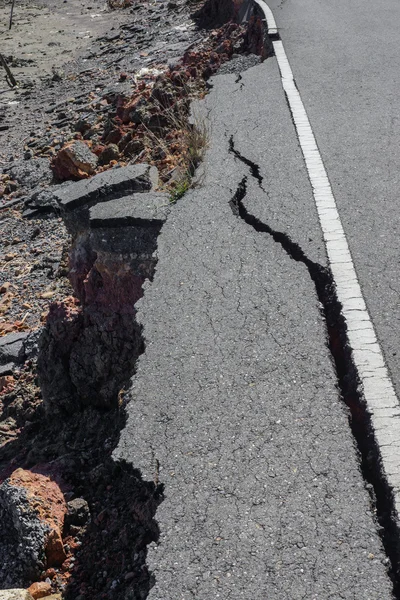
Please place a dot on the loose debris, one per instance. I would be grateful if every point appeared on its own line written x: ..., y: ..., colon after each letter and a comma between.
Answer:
x: 70, y: 301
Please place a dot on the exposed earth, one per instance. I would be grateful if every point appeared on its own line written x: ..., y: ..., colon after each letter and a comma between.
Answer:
x: 100, y: 88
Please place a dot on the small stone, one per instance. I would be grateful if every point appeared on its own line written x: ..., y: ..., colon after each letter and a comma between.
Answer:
x: 40, y: 589
x: 78, y: 512
x: 5, y: 287
x: 110, y: 152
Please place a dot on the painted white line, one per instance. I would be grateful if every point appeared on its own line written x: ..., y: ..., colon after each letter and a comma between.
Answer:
x: 378, y: 391
x: 269, y: 17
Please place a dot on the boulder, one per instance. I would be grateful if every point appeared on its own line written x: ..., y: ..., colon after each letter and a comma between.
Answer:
x: 74, y: 161
x: 39, y: 589
x: 32, y: 512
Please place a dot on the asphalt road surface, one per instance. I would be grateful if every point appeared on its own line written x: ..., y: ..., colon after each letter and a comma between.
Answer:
x: 346, y: 62
x: 235, y: 406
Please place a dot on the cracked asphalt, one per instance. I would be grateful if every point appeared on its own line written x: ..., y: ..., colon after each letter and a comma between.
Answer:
x: 346, y: 64
x: 235, y: 407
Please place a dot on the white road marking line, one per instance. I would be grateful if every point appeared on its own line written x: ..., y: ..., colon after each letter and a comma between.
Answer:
x: 378, y: 391
x: 272, y: 28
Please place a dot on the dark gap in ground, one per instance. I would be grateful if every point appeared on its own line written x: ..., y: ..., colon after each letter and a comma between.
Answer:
x: 254, y: 168
x: 348, y: 380
x: 71, y: 440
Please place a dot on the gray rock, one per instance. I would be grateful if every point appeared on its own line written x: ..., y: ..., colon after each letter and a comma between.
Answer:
x: 12, y: 348
x: 15, y: 594
x: 76, y: 199
x: 42, y: 200
x: 7, y: 369
x: 30, y: 173
x: 22, y: 538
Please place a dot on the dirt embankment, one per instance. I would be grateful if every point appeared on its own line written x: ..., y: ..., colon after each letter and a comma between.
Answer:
x: 102, y: 93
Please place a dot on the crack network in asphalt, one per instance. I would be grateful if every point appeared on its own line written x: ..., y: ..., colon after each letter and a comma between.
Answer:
x: 381, y: 494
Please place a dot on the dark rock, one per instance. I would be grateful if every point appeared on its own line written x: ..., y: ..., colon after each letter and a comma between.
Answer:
x: 12, y: 348
x: 141, y: 112
x: 7, y: 369
x: 85, y: 123
x: 215, y: 12
x: 78, y: 512
x: 133, y: 147
x: 42, y: 200
x: 110, y: 152
x: 163, y: 94
x: 31, y: 344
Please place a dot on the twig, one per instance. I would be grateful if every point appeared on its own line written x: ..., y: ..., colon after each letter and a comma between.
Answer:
x: 11, y: 14
x: 10, y: 77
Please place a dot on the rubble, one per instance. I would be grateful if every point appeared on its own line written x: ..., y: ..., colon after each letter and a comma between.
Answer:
x: 117, y: 133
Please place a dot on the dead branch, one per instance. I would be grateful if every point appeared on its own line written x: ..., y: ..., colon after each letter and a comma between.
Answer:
x: 11, y: 14
x: 10, y: 77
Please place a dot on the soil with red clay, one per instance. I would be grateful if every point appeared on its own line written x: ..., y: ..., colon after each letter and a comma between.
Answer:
x: 80, y: 70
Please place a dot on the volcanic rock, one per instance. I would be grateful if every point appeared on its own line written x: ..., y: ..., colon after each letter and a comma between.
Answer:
x: 39, y: 589
x: 110, y: 152
x: 74, y: 161
x: 32, y: 511
x: 12, y: 348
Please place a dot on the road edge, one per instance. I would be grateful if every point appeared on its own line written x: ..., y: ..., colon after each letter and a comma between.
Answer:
x: 375, y: 390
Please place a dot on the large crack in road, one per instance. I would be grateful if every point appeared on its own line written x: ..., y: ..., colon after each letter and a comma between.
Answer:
x: 381, y: 494
x: 235, y: 407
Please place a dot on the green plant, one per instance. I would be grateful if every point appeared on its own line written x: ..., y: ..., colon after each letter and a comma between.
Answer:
x: 179, y: 189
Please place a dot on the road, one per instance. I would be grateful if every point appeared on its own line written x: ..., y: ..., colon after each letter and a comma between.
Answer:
x: 345, y: 60
x: 235, y: 407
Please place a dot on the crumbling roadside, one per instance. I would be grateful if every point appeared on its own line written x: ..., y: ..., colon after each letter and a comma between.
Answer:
x: 63, y: 411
